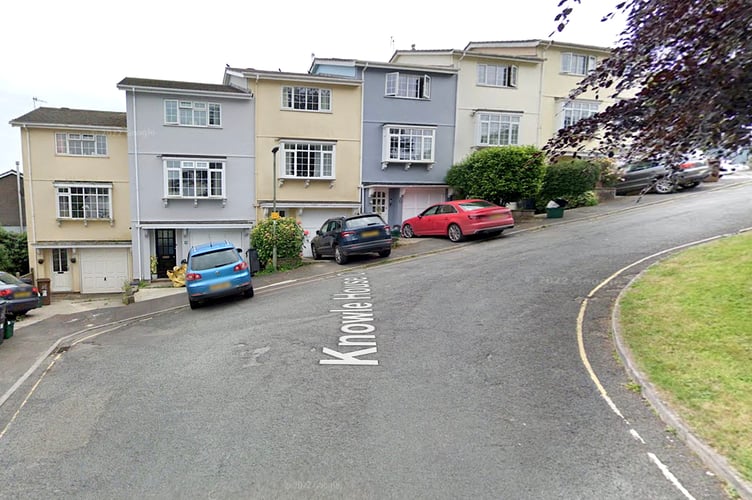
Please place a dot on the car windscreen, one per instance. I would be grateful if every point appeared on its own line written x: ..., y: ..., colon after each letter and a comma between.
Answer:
x: 475, y: 205
x: 372, y: 220
x: 9, y: 279
x: 213, y: 259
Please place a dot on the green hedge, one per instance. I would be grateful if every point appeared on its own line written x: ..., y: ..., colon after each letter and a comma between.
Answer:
x: 570, y: 180
x: 289, y: 236
x: 14, y: 254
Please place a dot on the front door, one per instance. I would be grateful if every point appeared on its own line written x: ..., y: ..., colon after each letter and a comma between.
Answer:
x: 60, y: 279
x: 165, y: 248
x: 379, y: 204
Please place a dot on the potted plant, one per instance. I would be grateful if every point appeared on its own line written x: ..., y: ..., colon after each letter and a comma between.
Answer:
x: 153, y: 266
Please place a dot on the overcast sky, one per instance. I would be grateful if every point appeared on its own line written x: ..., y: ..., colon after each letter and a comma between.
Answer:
x: 72, y: 54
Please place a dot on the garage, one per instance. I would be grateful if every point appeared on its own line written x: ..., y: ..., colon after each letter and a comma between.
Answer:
x: 103, y: 270
x: 416, y: 200
x: 234, y: 236
x: 311, y: 220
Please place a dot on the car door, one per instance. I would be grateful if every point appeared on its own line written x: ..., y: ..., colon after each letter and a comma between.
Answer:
x: 329, y: 238
x: 637, y: 176
x: 445, y: 215
x: 426, y: 223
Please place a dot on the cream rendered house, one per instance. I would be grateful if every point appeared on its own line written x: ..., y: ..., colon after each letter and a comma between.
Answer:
x: 515, y: 92
x: 308, y: 151
x: 75, y: 165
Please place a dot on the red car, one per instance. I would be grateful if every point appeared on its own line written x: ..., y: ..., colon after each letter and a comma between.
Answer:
x: 459, y: 218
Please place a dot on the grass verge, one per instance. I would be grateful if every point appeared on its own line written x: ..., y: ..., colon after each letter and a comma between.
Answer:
x: 688, y: 323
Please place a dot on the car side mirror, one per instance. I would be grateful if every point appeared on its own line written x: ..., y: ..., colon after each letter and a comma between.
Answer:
x: 240, y: 250
x: 318, y: 232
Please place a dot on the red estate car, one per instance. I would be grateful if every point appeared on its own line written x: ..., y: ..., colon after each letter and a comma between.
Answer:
x: 459, y: 218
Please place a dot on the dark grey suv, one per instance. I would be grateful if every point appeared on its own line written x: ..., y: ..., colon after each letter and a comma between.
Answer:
x: 637, y: 176
x: 341, y: 237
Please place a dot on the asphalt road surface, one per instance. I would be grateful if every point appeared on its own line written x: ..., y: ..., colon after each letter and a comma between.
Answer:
x: 457, y: 375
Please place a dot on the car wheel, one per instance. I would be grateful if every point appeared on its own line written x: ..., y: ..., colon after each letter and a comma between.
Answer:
x: 315, y: 253
x: 194, y: 304
x: 385, y: 253
x: 454, y: 233
x: 339, y: 255
x: 407, y: 231
x: 248, y: 293
x: 665, y: 186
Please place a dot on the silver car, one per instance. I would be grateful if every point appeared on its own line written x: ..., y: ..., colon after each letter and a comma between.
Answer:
x: 636, y: 176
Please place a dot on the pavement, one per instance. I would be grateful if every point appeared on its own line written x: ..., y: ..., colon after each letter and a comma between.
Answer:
x: 46, y: 330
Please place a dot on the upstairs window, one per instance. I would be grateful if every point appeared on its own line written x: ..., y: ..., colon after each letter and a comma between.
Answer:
x: 408, y: 144
x: 81, y: 144
x: 307, y: 160
x: 497, y: 129
x: 497, y: 75
x: 577, y: 64
x: 306, y: 98
x: 574, y: 111
x: 84, y: 201
x: 194, y: 178
x: 406, y: 85
x: 192, y: 113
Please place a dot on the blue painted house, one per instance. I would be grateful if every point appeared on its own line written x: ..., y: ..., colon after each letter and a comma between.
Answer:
x: 407, y: 133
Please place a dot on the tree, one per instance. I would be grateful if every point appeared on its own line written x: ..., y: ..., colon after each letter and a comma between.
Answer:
x: 14, y: 256
x: 680, y: 73
x: 499, y: 174
x: 289, y: 238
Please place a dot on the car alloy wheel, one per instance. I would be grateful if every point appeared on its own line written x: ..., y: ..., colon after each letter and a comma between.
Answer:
x: 339, y: 255
x: 454, y: 233
x: 665, y: 186
x: 407, y: 231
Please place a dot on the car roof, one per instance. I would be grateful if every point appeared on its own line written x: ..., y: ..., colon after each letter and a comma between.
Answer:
x: 209, y: 247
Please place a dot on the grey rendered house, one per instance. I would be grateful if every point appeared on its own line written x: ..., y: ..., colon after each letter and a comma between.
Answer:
x: 191, y: 166
x: 407, y: 133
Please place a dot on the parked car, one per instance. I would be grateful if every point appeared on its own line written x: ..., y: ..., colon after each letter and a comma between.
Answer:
x: 637, y: 176
x: 341, y: 237
x: 216, y: 270
x: 459, y: 218
x: 20, y: 297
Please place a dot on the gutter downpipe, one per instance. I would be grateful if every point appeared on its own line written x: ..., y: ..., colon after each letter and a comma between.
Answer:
x: 137, y: 190
x: 363, y: 196
x: 456, y: 107
x: 32, y: 213
x: 540, y: 90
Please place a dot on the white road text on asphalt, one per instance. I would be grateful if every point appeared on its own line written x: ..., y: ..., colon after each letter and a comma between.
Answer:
x: 357, y: 323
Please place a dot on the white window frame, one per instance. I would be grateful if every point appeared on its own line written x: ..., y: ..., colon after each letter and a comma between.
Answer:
x: 496, y: 75
x: 194, y: 178
x: 306, y: 98
x: 421, y: 141
x: 407, y: 85
x: 503, y: 127
x: 574, y: 110
x: 83, y: 201
x: 573, y: 63
x: 187, y: 113
x: 80, y: 144
x: 323, y: 163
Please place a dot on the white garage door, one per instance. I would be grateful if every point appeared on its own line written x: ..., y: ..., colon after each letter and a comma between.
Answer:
x: 103, y: 270
x: 234, y: 236
x: 417, y: 200
x: 312, y: 219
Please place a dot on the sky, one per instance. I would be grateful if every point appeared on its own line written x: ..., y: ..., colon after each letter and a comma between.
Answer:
x: 72, y: 54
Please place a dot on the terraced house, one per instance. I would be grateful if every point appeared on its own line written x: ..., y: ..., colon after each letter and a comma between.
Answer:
x: 191, y: 169
x: 76, y: 192
x: 307, y: 133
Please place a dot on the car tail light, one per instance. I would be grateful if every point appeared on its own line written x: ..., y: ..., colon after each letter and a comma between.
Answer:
x: 192, y: 277
x: 6, y: 292
x: 345, y: 234
x: 35, y: 290
x: 240, y: 267
x: 387, y: 229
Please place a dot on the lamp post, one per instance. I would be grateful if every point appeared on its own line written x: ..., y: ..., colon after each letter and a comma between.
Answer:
x: 274, y: 208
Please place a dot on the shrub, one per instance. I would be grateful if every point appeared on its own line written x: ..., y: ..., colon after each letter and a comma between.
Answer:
x: 499, y: 174
x: 14, y: 254
x: 289, y: 237
x: 570, y: 180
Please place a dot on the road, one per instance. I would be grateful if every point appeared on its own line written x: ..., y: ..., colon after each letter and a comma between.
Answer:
x: 461, y: 376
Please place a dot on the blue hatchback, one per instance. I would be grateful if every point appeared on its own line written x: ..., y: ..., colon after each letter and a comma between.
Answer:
x: 216, y: 270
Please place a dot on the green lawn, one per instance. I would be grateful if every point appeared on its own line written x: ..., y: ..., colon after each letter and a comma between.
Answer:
x: 688, y: 322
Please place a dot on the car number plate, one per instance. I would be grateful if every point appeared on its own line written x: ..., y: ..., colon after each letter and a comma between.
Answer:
x: 368, y: 234
x: 220, y: 286
x: 22, y: 295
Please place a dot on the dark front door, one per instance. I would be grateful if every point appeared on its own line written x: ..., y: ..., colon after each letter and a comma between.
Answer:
x: 165, y: 251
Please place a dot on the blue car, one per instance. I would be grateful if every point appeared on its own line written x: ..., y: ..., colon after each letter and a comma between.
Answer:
x: 216, y: 270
